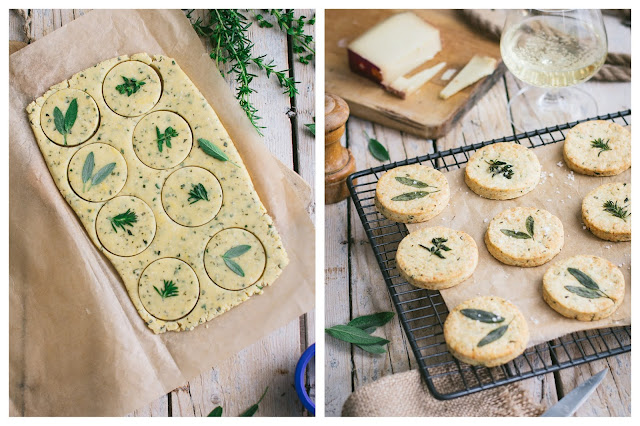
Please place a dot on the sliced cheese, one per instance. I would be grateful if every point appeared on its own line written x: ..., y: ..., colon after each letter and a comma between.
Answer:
x: 477, y: 68
x: 403, y: 86
x: 394, y: 47
x: 446, y: 76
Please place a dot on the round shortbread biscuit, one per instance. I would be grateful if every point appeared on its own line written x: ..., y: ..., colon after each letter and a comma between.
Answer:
x: 598, y: 148
x: 524, y: 236
x: 606, y: 211
x: 502, y: 171
x: 487, y: 331
x: 436, y: 258
x: 586, y: 288
x: 131, y: 88
x: 412, y: 194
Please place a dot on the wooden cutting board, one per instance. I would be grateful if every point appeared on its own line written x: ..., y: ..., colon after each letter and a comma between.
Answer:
x: 422, y: 113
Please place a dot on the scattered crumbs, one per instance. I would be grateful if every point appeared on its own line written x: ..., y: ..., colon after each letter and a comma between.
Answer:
x: 546, y: 230
x: 89, y: 312
x: 559, y: 164
x: 485, y: 220
x: 570, y: 176
x: 448, y: 74
x: 620, y: 265
x: 607, y: 247
x: 569, y: 196
x: 562, y: 201
x: 342, y: 43
x: 550, y: 174
x: 534, y: 320
x: 543, y: 177
x: 549, y: 200
x: 206, y: 326
x: 557, y: 191
x: 584, y: 227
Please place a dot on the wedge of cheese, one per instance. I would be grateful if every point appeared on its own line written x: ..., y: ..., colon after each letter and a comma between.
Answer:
x: 403, y: 86
x: 394, y: 47
x: 477, y: 68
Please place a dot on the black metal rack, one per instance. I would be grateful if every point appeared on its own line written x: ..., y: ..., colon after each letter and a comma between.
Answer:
x: 422, y: 312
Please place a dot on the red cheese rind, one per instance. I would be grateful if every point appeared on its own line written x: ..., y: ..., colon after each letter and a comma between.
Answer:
x: 363, y: 67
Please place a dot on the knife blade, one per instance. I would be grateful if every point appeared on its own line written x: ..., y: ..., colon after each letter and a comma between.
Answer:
x: 574, y: 399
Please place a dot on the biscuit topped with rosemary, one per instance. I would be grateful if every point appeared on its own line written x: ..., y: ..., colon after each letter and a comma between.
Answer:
x: 486, y: 330
x: 524, y: 236
x: 606, y: 211
x: 412, y: 194
x: 586, y: 288
x: 436, y: 258
x: 598, y: 148
x: 502, y: 171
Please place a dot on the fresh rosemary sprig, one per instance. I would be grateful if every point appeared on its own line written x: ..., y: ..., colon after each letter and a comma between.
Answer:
x: 601, y: 145
x: 613, y: 209
x: 235, y: 252
x: 497, y: 167
x: 295, y: 28
x: 130, y: 86
x: 87, y: 171
x: 169, y: 289
x: 438, y: 244
x: 165, y: 138
x: 65, y: 122
x: 197, y: 193
x: 127, y: 218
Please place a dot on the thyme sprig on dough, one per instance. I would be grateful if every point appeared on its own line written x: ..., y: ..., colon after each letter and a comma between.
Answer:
x: 235, y: 252
x: 165, y: 138
x: 87, y: 172
x: 438, y: 245
x: 169, y: 289
x: 121, y: 220
x: 589, y: 290
x: 198, y: 192
x: 612, y: 208
x: 130, y: 86
x: 601, y: 145
x: 65, y: 122
x: 519, y: 234
x: 498, y: 167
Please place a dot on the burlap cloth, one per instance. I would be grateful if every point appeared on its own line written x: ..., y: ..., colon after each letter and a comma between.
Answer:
x: 406, y: 394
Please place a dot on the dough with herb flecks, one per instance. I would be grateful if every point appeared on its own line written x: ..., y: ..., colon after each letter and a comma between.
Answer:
x: 606, y: 211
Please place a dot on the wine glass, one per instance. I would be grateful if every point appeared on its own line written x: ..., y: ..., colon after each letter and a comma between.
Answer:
x: 552, y: 51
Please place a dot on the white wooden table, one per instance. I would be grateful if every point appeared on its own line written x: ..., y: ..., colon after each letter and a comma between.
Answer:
x: 354, y: 285
x: 238, y: 382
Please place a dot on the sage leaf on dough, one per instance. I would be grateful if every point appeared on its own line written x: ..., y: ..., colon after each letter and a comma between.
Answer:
x: 237, y: 251
x: 516, y: 234
x: 493, y: 335
x: 235, y: 268
x: 213, y: 151
x: 482, y: 316
x: 376, y: 149
x: 87, y: 168
x: 529, y: 225
x: 584, y: 292
x: 412, y: 182
x: 408, y: 196
x: 354, y: 335
x: 65, y: 122
x: 583, y: 278
x: 369, y: 323
x: 102, y: 174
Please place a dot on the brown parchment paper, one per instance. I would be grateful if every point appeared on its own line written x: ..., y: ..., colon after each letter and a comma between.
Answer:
x: 77, y: 345
x: 560, y: 192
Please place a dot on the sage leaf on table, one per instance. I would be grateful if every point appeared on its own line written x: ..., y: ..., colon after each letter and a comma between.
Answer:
x: 408, y: 196
x: 213, y: 151
x: 413, y: 182
x: 373, y: 349
x: 354, y: 335
x: 254, y: 408
x: 216, y: 412
x: 369, y: 323
x: 493, y: 335
x: 482, y: 316
x: 65, y: 122
x: 376, y: 149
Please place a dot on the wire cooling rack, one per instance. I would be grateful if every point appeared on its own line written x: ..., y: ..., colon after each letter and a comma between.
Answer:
x: 422, y: 312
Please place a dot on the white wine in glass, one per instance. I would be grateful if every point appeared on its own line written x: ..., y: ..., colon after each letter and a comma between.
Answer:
x: 552, y: 50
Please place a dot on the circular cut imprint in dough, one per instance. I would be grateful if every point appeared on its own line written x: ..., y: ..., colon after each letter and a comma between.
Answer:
x: 192, y: 196
x: 94, y: 185
x: 150, y: 139
x: 76, y: 131
x: 125, y: 225
x: 135, y: 99
x: 234, y: 259
x: 169, y: 289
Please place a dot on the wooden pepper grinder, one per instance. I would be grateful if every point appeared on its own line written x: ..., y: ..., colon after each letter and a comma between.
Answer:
x: 338, y: 161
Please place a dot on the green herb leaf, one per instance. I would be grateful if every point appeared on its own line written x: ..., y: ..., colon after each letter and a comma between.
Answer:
x: 618, y: 211
x: 165, y: 138
x: 530, y: 224
x: 254, y: 408
x: 130, y: 86
x: 102, y: 174
x: 493, y: 335
x: 413, y: 182
x: 216, y: 412
x: 354, y: 335
x: 312, y: 126
x: 374, y: 349
x: 237, y: 251
x: 482, y: 316
x: 127, y: 218
x: 516, y: 234
x: 412, y: 195
x: 369, y: 323
x: 438, y: 244
x: 497, y: 167
x: 231, y: 264
x: 87, y: 168
x: 601, y: 145
x: 376, y: 149
x: 583, y: 278
x: 198, y: 192
x: 584, y: 292
x: 71, y: 115
x: 58, y: 119
x: 213, y: 151
x: 169, y: 289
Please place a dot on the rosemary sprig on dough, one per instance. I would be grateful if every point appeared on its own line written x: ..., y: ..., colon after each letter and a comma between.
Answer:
x: 65, y: 122
x: 169, y: 289
x: 235, y: 252
x: 589, y: 290
x: 198, y: 192
x: 613, y: 209
x: 165, y: 138
x: 498, y: 167
x: 601, y: 145
x: 438, y: 245
x: 127, y: 218
x: 130, y: 86
x: 521, y: 235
